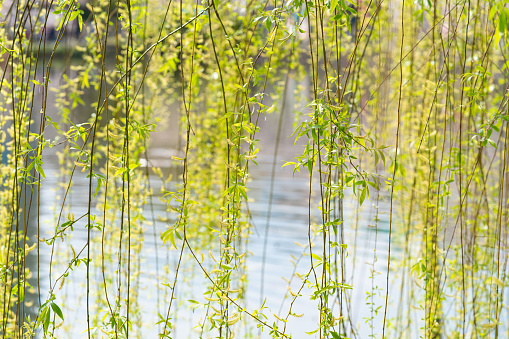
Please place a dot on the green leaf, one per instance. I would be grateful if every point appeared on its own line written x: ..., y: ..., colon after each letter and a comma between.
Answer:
x: 97, y: 188
x: 268, y: 24
x: 38, y: 168
x: 226, y: 267
x: 338, y: 17
x: 73, y: 15
x: 363, y: 194
x: 57, y: 310
x: 288, y: 164
x: 333, y: 5
x: 480, y: 69
x: 171, y: 237
x: 47, y: 316
x: 80, y: 22
x: 119, y: 172
x: 84, y: 79
x: 382, y: 156
x: 242, y: 191
x: 42, y: 316
x: 21, y: 293
x: 492, y: 12
x: 178, y: 235
x: 18, y: 291
x: 502, y: 22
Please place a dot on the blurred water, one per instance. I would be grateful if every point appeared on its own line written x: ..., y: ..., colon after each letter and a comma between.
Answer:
x: 288, y: 226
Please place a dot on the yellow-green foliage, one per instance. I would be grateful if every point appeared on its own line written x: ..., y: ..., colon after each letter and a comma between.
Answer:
x: 400, y: 113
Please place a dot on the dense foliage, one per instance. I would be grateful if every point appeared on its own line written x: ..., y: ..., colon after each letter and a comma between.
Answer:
x: 400, y: 116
